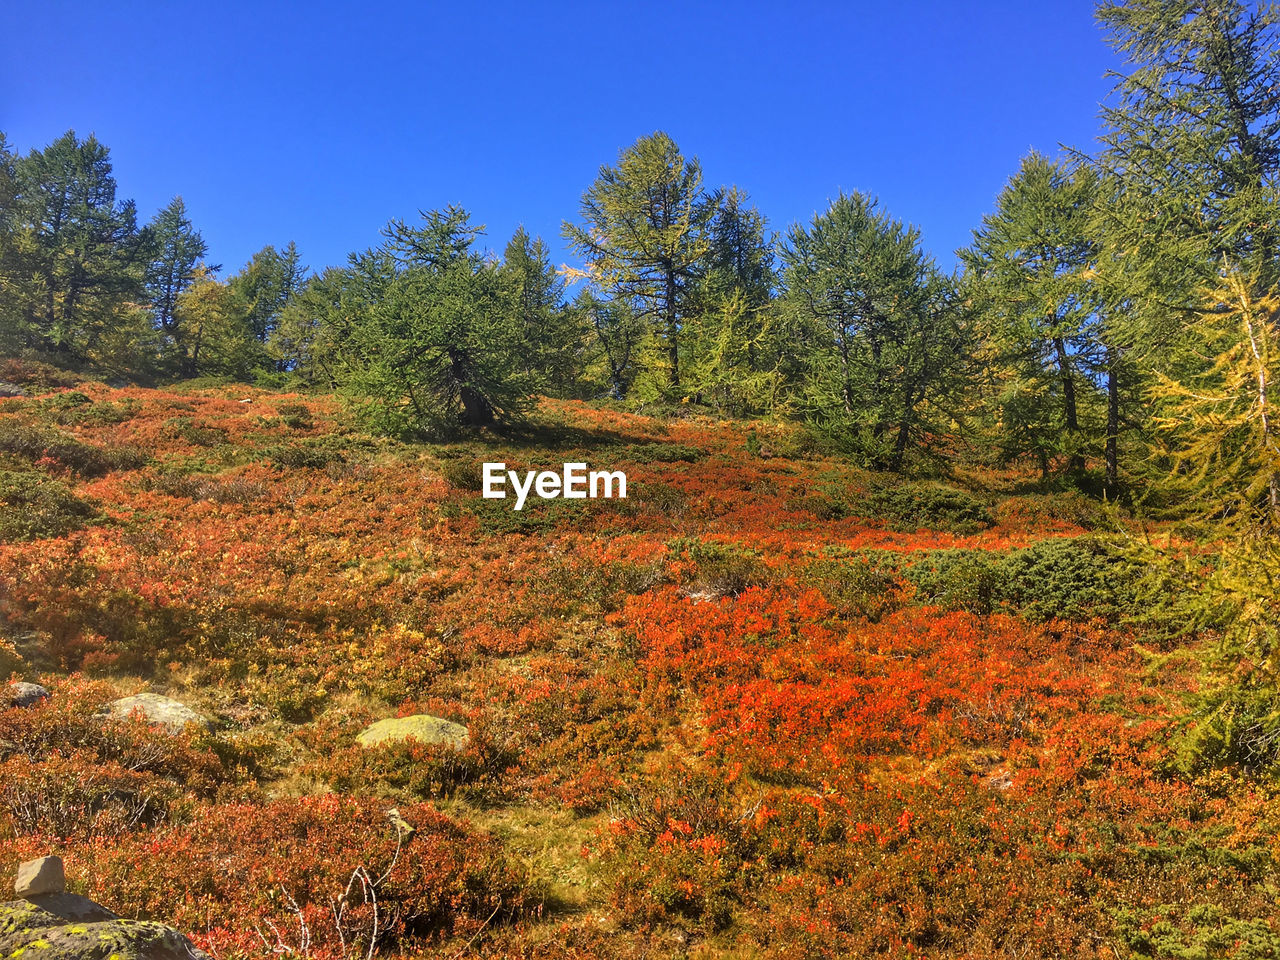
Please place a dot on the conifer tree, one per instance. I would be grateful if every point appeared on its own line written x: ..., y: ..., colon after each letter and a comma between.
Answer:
x: 1028, y: 279
x: 177, y: 249
x: 644, y: 237
x: 885, y: 337
x: 429, y: 345
x: 73, y: 254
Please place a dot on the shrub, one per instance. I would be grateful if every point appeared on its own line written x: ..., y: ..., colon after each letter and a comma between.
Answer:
x: 462, y: 473
x: 857, y: 586
x: 36, y: 508
x: 721, y: 569
x: 196, y: 434
x: 296, y: 416
x: 305, y: 456
x: 43, y: 446
x: 910, y: 507
x: 320, y: 861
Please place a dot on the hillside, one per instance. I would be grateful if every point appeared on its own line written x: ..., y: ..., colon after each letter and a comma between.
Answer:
x: 768, y: 705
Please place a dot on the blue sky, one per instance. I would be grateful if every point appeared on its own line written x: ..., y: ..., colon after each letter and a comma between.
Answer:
x: 319, y: 122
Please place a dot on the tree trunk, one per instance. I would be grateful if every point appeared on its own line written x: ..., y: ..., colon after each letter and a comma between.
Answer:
x: 1076, y: 463
x: 1113, y: 420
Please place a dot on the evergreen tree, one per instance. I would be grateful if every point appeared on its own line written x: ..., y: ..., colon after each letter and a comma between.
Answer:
x: 1192, y: 150
x: 535, y: 290
x: 266, y: 283
x: 1028, y: 278
x: 645, y: 236
x: 430, y: 345
x: 884, y: 334
x: 73, y: 254
x: 177, y: 250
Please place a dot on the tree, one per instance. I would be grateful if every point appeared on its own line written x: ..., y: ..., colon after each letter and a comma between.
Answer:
x: 177, y: 250
x: 884, y: 337
x: 212, y: 332
x: 733, y: 341
x: 73, y: 254
x: 266, y: 284
x: 1028, y: 276
x: 1192, y: 152
x: 429, y: 345
x: 644, y: 237
x: 535, y: 291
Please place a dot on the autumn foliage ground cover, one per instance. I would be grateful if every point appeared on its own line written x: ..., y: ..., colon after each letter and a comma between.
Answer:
x: 769, y: 705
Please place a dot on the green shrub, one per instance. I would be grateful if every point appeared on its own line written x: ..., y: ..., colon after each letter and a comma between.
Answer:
x: 722, y: 569
x: 858, y: 586
x: 913, y: 506
x: 35, y: 444
x: 969, y: 580
x: 198, y: 435
x: 462, y: 474
x: 303, y: 456
x: 36, y: 508
x: 297, y: 416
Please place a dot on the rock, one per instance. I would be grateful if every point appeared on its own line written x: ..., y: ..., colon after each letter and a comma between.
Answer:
x: 36, y: 877
x: 421, y: 727
x: 11, y: 390
x: 74, y: 928
x: 159, y: 711
x: 21, y: 694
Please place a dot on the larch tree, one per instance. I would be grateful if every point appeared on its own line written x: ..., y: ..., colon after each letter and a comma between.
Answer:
x: 644, y: 235
x: 1027, y: 277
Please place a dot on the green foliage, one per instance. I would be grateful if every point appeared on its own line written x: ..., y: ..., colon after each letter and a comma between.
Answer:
x: 70, y: 253
x: 1028, y: 277
x: 885, y: 345
x: 911, y: 506
x: 33, y: 507
x: 431, y: 347
x: 41, y: 445
x: 644, y: 237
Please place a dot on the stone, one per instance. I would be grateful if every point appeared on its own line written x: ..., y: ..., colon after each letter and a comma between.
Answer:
x: 20, y: 694
x: 74, y: 928
x: 421, y: 727
x: 159, y: 711
x: 11, y: 390
x: 36, y: 877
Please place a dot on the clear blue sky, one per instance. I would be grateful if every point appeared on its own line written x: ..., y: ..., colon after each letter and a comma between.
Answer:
x: 318, y: 122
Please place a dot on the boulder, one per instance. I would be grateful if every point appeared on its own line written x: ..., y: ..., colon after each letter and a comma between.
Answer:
x: 63, y: 930
x: 21, y: 694
x: 160, y: 711
x: 44, y: 875
x: 421, y: 727
x: 8, y: 389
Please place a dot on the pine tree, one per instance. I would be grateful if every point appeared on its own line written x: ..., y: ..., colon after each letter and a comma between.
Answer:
x: 177, y: 250
x: 1028, y: 280
x: 551, y: 334
x: 884, y: 333
x: 644, y: 237
x: 426, y: 344
x: 73, y: 253
x: 266, y: 284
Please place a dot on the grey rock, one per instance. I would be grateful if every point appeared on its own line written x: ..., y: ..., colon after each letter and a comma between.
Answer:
x: 11, y: 390
x: 159, y: 711
x: 36, y: 877
x: 20, y: 694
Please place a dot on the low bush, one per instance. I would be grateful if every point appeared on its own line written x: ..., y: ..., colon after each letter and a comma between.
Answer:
x: 33, y: 507
x: 45, y: 447
x: 911, y: 506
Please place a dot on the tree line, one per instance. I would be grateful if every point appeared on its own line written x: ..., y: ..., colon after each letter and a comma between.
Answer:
x: 1112, y: 317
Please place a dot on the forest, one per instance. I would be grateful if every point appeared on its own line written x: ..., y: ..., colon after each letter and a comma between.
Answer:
x: 940, y: 617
